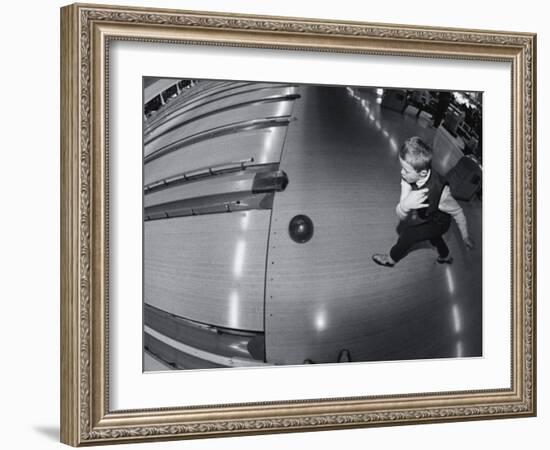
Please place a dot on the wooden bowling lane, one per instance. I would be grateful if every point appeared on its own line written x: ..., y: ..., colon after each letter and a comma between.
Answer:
x: 234, y: 182
x: 327, y: 295
x: 259, y: 146
x: 209, y: 268
x: 228, y: 98
x: 199, y: 92
x: 220, y: 118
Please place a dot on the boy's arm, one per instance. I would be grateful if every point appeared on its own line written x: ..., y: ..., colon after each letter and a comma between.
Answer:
x: 449, y: 205
x: 405, y: 191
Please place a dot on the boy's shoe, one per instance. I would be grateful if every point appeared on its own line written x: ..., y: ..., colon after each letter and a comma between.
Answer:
x: 383, y: 259
x: 445, y: 260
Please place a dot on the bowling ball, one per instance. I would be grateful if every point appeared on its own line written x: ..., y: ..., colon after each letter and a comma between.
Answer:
x: 300, y: 229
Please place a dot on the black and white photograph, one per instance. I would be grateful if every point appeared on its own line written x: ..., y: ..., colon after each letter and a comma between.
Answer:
x: 296, y: 224
x: 275, y: 225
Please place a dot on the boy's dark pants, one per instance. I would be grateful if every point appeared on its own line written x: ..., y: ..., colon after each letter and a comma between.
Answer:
x: 410, y: 235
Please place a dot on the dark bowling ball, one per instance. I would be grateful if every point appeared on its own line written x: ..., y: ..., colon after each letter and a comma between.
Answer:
x: 300, y: 229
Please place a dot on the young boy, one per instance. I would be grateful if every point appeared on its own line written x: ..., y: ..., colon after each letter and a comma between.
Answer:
x: 425, y: 206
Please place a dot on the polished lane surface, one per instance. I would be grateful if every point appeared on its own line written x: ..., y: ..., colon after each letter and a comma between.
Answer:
x: 327, y: 295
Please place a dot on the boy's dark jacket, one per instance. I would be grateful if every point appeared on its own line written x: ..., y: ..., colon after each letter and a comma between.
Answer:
x: 431, y: 213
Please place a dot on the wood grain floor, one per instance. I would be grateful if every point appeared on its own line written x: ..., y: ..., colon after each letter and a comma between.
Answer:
x: 327, y: 295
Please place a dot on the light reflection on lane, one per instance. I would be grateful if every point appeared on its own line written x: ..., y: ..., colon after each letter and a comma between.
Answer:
x: 267, y: 146
x: 450, y: 280
x: 234, y: 304
x: 321, y: 320
x: 238, y: 260
x: 393, y: 145
x: 245, y: 220
x: 459, y: 349
x: 457, y: 319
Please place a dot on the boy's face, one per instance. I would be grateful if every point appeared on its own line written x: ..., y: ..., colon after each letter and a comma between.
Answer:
x: 409, y: 173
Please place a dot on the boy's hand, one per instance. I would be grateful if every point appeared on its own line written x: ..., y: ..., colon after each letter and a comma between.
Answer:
x: 415, y: 200
x: 469, y: 243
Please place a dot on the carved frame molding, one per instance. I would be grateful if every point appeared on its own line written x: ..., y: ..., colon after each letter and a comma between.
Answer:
x: 87, y: 31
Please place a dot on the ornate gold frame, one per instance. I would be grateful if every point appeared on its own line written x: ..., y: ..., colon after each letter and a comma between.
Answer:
x: 86, y: 31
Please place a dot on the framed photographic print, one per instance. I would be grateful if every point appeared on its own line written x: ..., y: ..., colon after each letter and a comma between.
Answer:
x: 275, y: 224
